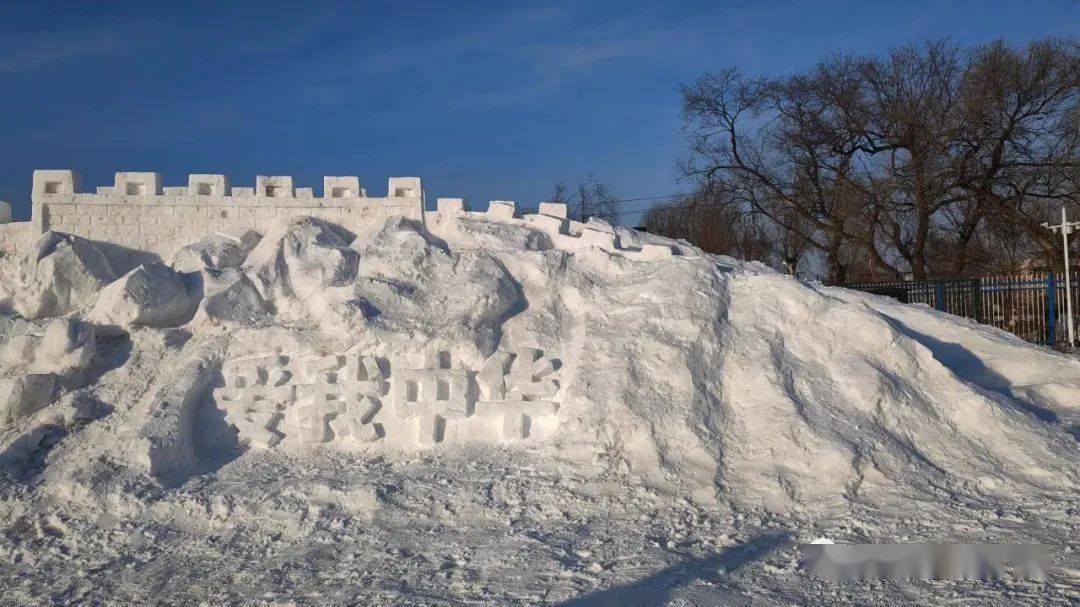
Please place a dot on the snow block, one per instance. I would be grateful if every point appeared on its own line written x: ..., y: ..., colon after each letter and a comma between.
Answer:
x: 554, y: 209
x: 274, y: 186
x: 656, y: 252
x: 501, y: 210
x: 404, y: 187
x: 138, y: 184
x: 208, y: 185
x: 5, y: 212
x: 452, y: 207
x: 52, y: 182
x: 548, y: 223
x: 342, y: 187
x: 597, y: 238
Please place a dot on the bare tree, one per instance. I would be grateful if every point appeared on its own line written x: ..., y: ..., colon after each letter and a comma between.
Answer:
x: 799, y: 165
x: 591, y: 198
x: 718, y: 224
x: 559, y: 194
x: 1021, y: 137
x: 896, y: 165
x: 594, y: 200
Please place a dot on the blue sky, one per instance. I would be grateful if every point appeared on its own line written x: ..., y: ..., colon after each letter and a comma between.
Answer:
x: 482, y: 100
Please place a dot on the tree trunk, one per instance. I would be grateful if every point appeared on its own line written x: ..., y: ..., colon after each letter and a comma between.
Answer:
x: 922, y: 221
x: 837, y: 271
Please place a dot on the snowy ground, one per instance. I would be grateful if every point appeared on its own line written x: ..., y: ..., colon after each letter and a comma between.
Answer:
x: 710, y: 415
x: 486, y: 527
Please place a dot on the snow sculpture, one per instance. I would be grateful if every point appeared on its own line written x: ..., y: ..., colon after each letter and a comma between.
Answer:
x: 550, y: 219
x: 339, y: 399
x: 254, y: 390
x: 141, y: 215
x: 434, y: 393
x: 344, y: 398
x: 524, y: 387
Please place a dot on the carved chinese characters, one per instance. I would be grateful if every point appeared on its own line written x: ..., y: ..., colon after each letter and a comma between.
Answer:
x: 353, y: 399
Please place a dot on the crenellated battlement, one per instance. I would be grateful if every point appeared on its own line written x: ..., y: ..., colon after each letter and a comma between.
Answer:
x: 551, y: 219
x: 138, y: 212
x: 207, y: 187
x: 141, y: 215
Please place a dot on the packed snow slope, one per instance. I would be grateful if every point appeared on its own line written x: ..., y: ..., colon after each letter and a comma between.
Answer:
x: 706, y: 378
x: 709, y: 377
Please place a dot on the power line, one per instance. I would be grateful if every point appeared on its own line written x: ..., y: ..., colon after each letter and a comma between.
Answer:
x: 674, y: 207
x: 676, y: 195
x: 577, y: 205
x: 643, y: 198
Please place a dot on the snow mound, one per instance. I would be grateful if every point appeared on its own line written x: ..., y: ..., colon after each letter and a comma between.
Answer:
x: 215, y: 252
x: 229, y: 297
x: 67, y: 345
x: 60, y: 274
x: 860, y: 403
x: 296, y: 265
x: 992, y: 359
x: 708, y: 378
x: 151, y: 295
x: 22, y: 396
x: 410, y: 285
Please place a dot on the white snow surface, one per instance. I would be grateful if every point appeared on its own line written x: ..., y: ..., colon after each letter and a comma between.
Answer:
x: 605, y: 429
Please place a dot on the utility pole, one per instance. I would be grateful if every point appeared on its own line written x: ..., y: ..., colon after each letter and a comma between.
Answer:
x: 1066, y: 228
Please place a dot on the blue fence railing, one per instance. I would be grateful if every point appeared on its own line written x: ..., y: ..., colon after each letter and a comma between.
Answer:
x: 1032, y: 306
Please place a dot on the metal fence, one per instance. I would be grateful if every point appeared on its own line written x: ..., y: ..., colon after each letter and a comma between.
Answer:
x: 1032, y: 306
